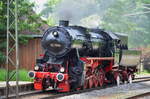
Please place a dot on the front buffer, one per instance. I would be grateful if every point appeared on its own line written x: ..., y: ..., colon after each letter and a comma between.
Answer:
x: 43, y: 80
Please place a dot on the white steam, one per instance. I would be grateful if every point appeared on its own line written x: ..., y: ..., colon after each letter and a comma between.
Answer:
x: 76, y: 10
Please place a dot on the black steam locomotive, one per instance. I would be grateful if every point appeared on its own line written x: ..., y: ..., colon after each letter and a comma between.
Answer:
x: 75, y: 53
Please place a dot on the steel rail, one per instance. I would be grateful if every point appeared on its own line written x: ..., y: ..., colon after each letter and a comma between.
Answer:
x: 140, y: 96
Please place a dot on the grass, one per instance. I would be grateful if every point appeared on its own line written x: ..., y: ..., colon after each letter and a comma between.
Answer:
x: 23, y: 75
x: 2, y: 74
x: 144, y: 72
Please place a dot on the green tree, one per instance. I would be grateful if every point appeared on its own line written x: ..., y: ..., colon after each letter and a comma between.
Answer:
x: 127, y: 16
x: 48, y: 12
x: 2, y: 15
x: 49, y: 7
x: 28, y: 20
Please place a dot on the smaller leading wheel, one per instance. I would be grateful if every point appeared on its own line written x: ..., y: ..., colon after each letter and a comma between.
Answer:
x: 118, y: 80
x: 130, y: 79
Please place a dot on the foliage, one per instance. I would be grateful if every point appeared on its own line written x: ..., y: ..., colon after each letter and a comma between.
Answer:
x: 126, y: 16
x: 23, y: 39
x: 48, y: 12
x: 49, y: 7
x: 144, y: 72
x: 144, y: 1
x: 23, y: 75
x: 3, y: 15
x: 2, y: 57
x: 115, y: 21
x: 28, y: 20
x: 2, y: 49
x: 51, y: 21
x: 3, y: 75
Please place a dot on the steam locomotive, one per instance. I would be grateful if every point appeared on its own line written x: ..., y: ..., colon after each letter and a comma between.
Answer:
x: 77, y: 57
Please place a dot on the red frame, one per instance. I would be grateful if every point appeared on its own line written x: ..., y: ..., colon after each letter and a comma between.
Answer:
x: 92, y: 79
x: 39, y: 76
x: 96, y: 61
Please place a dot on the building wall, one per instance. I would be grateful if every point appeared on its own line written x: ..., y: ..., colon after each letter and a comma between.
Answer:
x: 28, y: 53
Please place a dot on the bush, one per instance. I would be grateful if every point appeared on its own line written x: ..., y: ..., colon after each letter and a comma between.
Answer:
x: 23, y: 75
x: 2, y: 57
x: 2, y: 74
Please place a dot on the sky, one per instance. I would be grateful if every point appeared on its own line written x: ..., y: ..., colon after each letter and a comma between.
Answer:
x: 39, y: 5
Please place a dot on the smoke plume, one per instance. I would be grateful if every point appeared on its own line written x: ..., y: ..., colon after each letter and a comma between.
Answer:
x: 75, y: 10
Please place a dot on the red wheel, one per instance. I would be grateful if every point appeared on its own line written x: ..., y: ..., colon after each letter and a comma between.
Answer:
x: 101, y: 77
x: 118, y: 80
x: 95, y: 79
x: 86, y: 84
x: 91, y: 83
x: 130, y: 79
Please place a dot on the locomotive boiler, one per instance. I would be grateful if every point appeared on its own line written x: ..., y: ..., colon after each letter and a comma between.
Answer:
x: 60, y: 40
x: 77, y: 57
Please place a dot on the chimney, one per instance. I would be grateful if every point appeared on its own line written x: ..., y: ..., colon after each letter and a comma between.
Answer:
x: 64, y: 23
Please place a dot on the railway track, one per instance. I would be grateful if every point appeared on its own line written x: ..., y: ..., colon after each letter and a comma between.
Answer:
x: 141, y: 96
x: 51, y: 94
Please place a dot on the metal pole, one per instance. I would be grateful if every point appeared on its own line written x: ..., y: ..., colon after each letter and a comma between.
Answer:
x: 7, y: 63
x: 17, y: 57
x: 12, y: 46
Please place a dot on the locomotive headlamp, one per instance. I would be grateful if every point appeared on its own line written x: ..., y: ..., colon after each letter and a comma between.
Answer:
x: 62, y: 69
x: 36, y: 68
x: 55, y: 34
x: 31, y: 74
x: 60, y: 77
